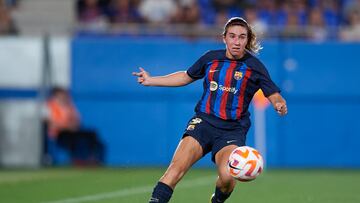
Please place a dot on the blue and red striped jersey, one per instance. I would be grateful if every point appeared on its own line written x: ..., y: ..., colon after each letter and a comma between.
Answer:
x: 229, y: 85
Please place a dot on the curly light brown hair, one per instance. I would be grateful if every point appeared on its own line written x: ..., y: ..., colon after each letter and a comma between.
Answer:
x: 252, y: 45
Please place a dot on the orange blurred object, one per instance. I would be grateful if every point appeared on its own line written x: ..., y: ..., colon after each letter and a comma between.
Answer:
x: 260, y: 101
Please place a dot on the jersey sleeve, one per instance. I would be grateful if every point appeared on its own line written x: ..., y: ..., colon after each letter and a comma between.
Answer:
x: 197, y: 70
x: 266, y: 84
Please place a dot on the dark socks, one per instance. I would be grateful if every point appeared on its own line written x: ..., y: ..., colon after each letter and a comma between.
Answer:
x: 219, y: 196
x: 161, y: 193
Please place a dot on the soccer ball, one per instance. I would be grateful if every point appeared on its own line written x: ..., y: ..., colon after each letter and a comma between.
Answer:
x: 245, y: 163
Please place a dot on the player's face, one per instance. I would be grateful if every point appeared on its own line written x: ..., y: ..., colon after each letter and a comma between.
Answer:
x: 235, y: 40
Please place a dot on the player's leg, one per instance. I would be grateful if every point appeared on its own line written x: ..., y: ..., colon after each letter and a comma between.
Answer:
x: 225, y: 142
x: 225, y: 183
x: 187, y: 153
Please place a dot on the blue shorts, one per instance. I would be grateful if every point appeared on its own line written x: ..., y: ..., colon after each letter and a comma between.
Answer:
x: 213, y: 138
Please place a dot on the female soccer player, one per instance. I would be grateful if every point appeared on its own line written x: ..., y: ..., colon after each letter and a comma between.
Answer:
x: 221, y: 121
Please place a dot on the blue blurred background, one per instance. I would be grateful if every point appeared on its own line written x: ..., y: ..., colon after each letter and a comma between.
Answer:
x: 319, y: 82
x: 311, y: 49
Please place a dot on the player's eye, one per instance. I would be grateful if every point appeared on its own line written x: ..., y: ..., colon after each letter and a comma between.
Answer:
x: 242, y: 37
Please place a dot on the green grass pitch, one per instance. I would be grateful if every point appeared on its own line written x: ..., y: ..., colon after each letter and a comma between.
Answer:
x: 134, y: 185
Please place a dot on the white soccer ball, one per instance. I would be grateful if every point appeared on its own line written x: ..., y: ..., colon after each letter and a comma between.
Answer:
x: 245, y: 163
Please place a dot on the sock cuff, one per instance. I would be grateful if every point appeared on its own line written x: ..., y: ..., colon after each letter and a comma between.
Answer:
x: 217, y: 190
x: 165, y: 187
x: 161, y: 193
x: 220, y: 196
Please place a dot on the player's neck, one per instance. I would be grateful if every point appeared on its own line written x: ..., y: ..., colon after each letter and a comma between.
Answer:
x: 234, y: 57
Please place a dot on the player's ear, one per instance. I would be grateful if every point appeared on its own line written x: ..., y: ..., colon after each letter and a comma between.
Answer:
x: 223, y: 38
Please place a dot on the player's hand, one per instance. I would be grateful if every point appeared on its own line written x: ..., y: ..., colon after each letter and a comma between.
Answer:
x: 143, y: 77
x: 281, y: 108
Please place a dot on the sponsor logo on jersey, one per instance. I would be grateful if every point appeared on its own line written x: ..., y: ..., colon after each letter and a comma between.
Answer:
x: 238, y: 75
x: 228, y: 89
x: 213, y: 86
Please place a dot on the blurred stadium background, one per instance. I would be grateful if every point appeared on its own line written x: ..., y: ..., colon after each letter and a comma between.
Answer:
x: 311, y: 49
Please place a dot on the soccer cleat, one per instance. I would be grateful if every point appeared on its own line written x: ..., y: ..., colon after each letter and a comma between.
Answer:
x: 212, y: 198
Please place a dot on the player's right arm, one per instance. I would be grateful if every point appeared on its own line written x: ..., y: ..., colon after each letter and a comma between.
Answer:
x: 176, y: 79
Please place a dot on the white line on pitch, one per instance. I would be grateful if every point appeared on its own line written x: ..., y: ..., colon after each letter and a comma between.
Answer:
x: 134, y: 191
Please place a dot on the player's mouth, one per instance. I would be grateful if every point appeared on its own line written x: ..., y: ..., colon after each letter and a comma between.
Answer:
x: 236, y: 49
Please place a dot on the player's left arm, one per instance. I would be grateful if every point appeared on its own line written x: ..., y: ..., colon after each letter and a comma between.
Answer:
x: 278, y: 103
